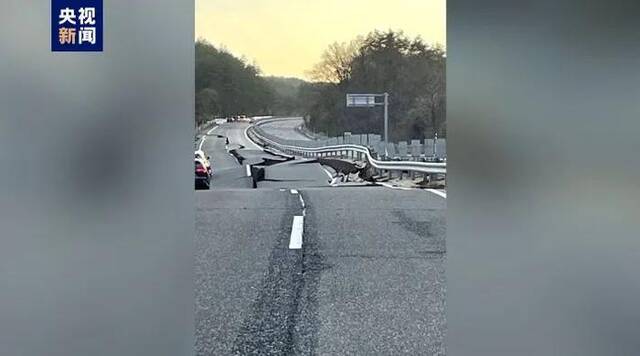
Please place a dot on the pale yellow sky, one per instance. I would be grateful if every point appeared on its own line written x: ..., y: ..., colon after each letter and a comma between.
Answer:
x: 286, y: 37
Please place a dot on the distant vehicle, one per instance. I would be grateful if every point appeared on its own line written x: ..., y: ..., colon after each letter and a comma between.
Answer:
x: 202, y: 175
x: 199, y: 154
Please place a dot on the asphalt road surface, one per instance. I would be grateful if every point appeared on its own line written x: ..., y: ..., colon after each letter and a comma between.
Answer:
x: 298, y: 267
x: 286, y: 129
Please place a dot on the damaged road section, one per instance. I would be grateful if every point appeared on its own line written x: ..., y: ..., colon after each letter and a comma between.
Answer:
x: 353, y: 171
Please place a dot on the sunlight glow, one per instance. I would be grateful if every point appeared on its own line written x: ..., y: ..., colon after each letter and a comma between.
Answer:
x: 286, y: 37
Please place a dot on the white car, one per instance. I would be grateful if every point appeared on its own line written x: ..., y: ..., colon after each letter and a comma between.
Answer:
x: 200, y: 155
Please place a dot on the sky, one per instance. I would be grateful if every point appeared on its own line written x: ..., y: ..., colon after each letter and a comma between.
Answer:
x: 287, y: 37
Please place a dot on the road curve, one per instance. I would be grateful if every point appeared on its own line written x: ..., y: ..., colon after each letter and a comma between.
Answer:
x: 286, y: 128
x: 362, y: 273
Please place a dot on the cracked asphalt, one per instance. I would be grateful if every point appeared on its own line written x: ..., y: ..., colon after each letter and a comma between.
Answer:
x: 368, y: 280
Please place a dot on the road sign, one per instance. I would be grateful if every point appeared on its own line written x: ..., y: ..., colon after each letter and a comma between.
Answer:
x: 361, y: 100
x: 369, y: 101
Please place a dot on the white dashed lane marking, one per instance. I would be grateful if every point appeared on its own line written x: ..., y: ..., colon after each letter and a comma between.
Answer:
x: 297, y: 228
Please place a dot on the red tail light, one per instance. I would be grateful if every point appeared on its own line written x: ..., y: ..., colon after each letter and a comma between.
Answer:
x: 200, y: 169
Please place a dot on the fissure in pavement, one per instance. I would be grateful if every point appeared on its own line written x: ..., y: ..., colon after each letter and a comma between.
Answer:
x: 283, y: 320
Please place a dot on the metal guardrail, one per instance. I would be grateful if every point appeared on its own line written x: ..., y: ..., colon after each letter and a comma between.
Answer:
x: 413, y: 150
x: 361, y: 152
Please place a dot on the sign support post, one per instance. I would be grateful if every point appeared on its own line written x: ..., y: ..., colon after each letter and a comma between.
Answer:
x: 386, y: 124
x: 369, y: 101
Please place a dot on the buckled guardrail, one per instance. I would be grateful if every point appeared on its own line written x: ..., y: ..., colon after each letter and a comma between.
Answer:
x: 356, y: 151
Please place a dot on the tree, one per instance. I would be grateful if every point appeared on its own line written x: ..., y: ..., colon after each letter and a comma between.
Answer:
x: 410, y: 70
x: 226, y: 85
x: 335, y: 65
x: 206, y: 103
x: 286, y: 99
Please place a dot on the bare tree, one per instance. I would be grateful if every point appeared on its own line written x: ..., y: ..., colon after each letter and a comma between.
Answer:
x: 335, y: 65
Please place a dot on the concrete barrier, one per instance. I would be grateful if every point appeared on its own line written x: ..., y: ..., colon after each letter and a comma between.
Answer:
x: 428, y: 147
x: 403, y: 149
x: 416, y: 149
x: 391, y: 149
x: 441, y: 148
x: 346, y: 137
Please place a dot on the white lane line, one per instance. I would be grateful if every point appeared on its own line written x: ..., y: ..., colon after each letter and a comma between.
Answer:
x: 304, y: 207
x: 434, y: 191
x: 438, y: 192
x: 297, y: 228
x: 250, y: 140
x: 248, y: 170
x: 205, y: 137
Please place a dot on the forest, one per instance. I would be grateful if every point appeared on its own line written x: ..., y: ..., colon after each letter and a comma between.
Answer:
x: 410, y: 70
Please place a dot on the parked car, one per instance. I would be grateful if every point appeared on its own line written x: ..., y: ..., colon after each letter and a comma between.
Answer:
x: 202, y: 175
x: 199, y: 154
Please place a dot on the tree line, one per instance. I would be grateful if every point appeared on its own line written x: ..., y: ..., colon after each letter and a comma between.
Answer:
x: 410, y: 70
x: 226, y: 85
